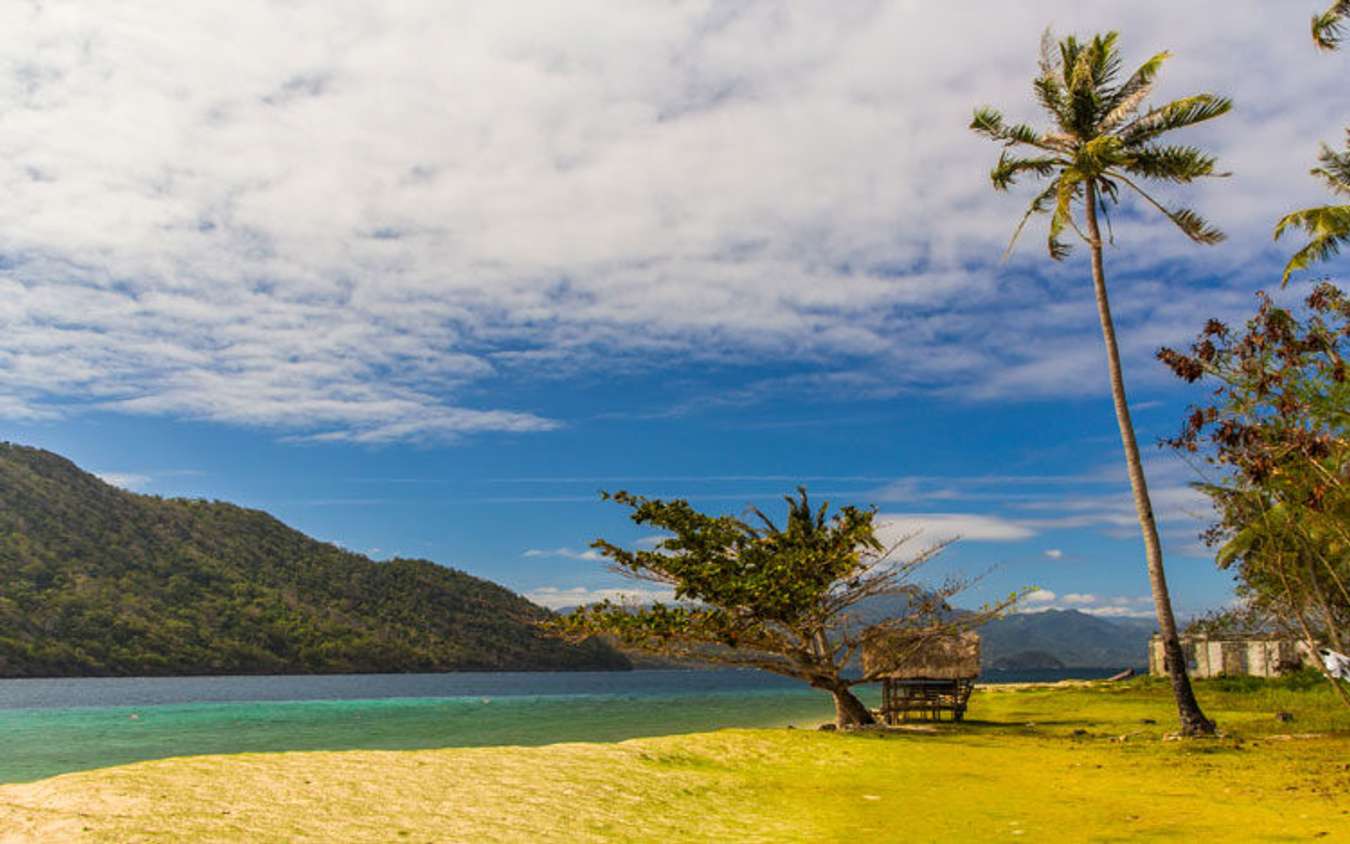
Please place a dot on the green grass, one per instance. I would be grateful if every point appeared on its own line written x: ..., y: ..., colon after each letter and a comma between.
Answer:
x: 1077, y: 763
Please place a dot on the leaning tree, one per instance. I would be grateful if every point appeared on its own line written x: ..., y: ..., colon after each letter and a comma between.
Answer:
x: 1098, y: 146
x: 792, y: 600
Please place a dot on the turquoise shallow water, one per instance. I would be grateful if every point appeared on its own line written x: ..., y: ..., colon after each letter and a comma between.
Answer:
x: 42, y: 742
x: 50, y: 727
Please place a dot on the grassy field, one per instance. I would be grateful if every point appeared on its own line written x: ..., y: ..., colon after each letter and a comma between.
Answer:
x: 1076, y: 763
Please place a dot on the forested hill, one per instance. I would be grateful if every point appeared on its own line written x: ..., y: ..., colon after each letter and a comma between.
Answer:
x: 98, y: 581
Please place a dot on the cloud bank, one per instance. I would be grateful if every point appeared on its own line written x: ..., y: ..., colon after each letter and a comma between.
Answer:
x: 556, y: 597
x: 352, y: 222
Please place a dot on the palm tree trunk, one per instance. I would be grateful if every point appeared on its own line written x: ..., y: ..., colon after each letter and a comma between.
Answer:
x: 1193, y: 721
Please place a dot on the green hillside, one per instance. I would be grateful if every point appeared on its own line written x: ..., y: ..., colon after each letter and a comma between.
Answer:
x: 98, y: 581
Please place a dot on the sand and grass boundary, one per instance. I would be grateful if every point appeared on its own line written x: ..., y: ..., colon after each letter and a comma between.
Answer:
x: 1077, y: 762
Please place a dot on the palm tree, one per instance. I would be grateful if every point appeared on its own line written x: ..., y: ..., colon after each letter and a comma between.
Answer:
x: 1328, y: 225
x: 1100, y: 143
x: 1327, y: 27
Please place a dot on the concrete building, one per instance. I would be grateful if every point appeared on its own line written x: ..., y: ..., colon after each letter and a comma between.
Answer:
x: 1255, y: 655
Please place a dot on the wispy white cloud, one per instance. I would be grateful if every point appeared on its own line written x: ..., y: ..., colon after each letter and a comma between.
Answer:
x: 125, y: 480
x: 556, y: 597
x: 936, y: 527
x: 1106, y: 606
x: 1054, y: 553
x: 1038, y: 598
x: 565, y: 553
x: 355, y: 236
x: 1118, y: 611
x: 604, y: 479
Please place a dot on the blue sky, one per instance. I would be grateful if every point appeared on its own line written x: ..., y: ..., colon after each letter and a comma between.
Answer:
x: 423, y: 282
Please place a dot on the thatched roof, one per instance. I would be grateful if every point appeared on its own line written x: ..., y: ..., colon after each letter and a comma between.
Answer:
x: 949, y: 656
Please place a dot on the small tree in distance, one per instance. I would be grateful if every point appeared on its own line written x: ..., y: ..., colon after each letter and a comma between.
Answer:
x: 780, y: 599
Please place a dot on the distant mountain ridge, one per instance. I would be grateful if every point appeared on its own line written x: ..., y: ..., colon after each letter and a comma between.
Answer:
x: 1037, y: 639
x: 95, y: 580
x: 1018, y: 641
x: 1076, y: 639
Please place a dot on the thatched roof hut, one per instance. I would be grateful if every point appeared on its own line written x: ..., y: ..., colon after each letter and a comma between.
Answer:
x: 946, y: 656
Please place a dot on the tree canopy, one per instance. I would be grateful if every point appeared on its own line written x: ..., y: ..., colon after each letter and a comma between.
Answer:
x: 752, y: 593
x: 1099, y: 138
x: 1277, y: 435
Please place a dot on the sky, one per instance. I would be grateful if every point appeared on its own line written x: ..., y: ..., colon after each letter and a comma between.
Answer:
x: 421, y: 279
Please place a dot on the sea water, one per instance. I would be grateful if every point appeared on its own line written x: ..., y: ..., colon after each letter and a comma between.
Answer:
x: 54, y: 726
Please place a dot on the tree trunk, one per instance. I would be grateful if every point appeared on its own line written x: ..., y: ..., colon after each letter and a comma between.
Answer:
x: 1309, y: 639
x: 1193, y: 721
x: 848, y: 710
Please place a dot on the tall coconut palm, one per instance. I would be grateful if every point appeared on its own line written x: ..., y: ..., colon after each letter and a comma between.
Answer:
x: 1327, y: 225
x: 1328, y: 28
x: 1099, y: 145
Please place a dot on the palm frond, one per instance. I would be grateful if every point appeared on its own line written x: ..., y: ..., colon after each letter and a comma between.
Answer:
x: 1058, y: 249
x: 1328, y: 28
x: 1038, y: 205
x: 1105, y: 208
x: 988, y: 121
x: 1099, y: 154
x: 1126, y: 99
x: 1109, y: 189
x: 1315, y: 251
x: 1005, y: 172
x: 1050, y: 94
x: 1060, y: 141
x: 1329, y: 228
x: 1105, y: 59
x: 1023, y: 133
x: 1068, y: 187
x: 1084, y: 100
x: 1049, y: 85
x: 1069, y: 48
x: 1098, y: 138
x: 1335, y: 169
x: 1195, y: 227
x: 1191, y: 224
x: 1050, y: 61
x: 1095, y: 68
x: 1186, y: 111
x: 1171, y: 163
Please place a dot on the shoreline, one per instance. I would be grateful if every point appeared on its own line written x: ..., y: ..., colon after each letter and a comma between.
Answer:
x: 207, y: 675
x: 1039, y: 759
